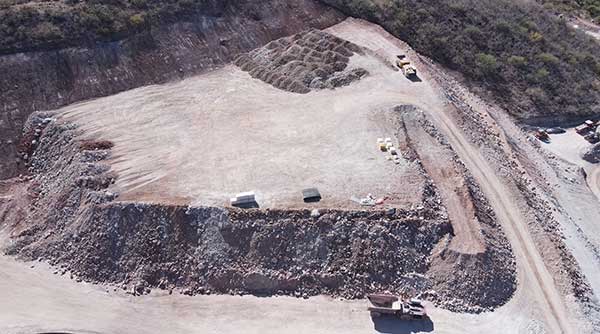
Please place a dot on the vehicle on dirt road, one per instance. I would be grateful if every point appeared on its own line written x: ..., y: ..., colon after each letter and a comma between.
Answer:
x: 542, y: 135
x: 555, y: 131
x: 387, y: 304
x: 405, y: 66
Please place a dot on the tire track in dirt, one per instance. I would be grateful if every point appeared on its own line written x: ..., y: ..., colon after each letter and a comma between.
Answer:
x: 437, y: 162
x: 538, y: 283
x: 528, y: 257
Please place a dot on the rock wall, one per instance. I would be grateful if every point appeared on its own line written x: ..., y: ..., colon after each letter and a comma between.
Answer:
x: 48, y: 79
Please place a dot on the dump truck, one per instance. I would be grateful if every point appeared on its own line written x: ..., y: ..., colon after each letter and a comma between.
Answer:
x: 402, y: 62
x: 582, y: 129
x: 407, y: 69
x: 387, y: 304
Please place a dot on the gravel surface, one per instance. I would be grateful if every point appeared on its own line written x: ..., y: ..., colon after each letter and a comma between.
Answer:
x: 309, y: 60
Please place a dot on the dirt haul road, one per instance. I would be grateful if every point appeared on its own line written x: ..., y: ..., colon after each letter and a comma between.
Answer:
x: 58, y: 304
x: 594, y: 181
x: 534, y: 278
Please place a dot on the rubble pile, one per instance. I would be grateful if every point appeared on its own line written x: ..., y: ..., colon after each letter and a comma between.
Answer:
x: 76, y: 225
x: 203, y: 250
x: 312, y: 59
x: 465, y: 282
x: 510, y: 161
x: 592, y: 154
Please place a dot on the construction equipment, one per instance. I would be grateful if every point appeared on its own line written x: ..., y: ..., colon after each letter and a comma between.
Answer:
x: 542, y: 135
x: 555, y: 131
x: 387, y: 304
x: 407, y: 69
x: 381, y: 144
x: 582, y: 129
x: 402, y: 62
x: 592, y: 138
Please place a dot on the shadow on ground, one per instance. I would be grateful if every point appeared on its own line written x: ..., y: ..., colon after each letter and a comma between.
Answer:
x: 415, y: 78
x: 393, y: 325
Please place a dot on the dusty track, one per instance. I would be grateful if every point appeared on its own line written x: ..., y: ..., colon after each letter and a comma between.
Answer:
x: 534, y: 275
x: 438, y: 161
x: 533, y: 271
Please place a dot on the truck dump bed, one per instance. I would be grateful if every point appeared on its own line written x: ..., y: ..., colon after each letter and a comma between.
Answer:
x: 382, y: 300
x: 392, y: 305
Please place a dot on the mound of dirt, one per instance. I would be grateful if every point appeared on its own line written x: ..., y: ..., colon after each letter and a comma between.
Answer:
x: 592, y: 154
x: 309, y: 60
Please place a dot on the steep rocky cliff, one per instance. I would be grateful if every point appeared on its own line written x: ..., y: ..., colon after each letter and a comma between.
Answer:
x: 44, y: 80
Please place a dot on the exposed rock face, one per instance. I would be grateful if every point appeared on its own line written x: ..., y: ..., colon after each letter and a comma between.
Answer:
x: 47, y: 79
x: 74, y: 222
x: 592, y: 154
x: 309, y: 60
x: 71, y: 220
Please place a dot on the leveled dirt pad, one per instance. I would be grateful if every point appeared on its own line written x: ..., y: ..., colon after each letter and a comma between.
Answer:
x: 195, y: 143
x: 205, y: 139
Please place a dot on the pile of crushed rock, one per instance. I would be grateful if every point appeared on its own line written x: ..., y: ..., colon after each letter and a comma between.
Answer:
x: 592, y: 154
x: 300, y: 63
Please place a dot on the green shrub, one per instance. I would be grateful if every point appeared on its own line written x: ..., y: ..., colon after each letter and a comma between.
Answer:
x: 31, y: 25
x: 548, y: 58
x: 486, y: 64
x: 136, y: 20
x: 541, y: 75
x: 517, y: 61
x: 47, y: 31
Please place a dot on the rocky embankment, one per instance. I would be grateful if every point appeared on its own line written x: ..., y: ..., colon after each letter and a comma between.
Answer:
x: 466, y: 274
x: 592, y: 154
x: 45, y: 80
x: 75, y: 223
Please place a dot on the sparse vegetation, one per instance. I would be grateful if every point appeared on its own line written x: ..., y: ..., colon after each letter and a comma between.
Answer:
x: 589, y: 8
x: 524, y: 55
x: 521, y: 52
x: 36, y: 25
